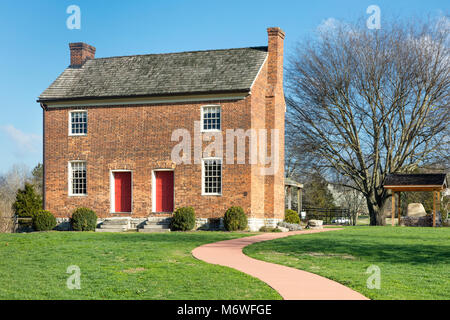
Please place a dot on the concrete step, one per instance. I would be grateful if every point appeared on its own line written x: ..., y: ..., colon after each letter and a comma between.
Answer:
x: 159, y: 220
x: 156, y: 226
x: 110, y: 230
x: 114, y: 226
x: 117, y: 222
x: 151, y: 230
x: 163, y: 225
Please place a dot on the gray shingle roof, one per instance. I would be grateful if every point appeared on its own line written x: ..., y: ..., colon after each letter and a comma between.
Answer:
x: 415, y: 179
x: 209, y: 71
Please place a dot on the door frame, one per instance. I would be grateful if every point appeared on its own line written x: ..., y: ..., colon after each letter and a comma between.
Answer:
x: 112, y: 189
x: 154, y: 188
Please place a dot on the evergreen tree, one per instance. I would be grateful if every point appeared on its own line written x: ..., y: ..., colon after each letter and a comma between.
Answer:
x: 38, y: 178
x: 27, y: 201
x: 317, y: 194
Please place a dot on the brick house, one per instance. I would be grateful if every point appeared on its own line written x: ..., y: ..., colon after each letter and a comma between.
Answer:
x: 109, y: 126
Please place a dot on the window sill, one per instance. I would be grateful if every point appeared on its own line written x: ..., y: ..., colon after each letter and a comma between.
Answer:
x: 77, y: 135
x: 210, y: 130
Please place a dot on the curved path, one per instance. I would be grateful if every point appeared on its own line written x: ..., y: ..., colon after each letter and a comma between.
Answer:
x: 291, y: 283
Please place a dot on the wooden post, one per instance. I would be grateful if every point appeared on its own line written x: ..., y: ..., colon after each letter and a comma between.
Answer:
x: 434, y: 208
x: 393, y: 209
x: 399, y: 208
x: 301, y: 199
x: 439, y: 202
x: 299, y: 208
x: 289, y: 197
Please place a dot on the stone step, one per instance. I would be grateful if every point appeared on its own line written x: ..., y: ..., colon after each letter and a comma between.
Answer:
x: 159, y: 219
x: 150, y: 230
x: 110, y: 230
x: 114, y: 226
x: 156, y: 226
x: 167, y: 225
x: 116, y: 222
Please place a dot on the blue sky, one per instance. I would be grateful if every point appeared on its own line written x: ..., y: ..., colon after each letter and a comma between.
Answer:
x: 35, y: 41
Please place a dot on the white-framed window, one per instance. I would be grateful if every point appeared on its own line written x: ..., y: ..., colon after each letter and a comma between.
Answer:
x: 78, y: 123
x: 211, y: 118
x: 212, y: 176
x: 77, y: 178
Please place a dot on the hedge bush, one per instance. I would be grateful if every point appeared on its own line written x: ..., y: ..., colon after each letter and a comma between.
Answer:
x: 43, y: 221
x: 290, y: 216
x: 83, y: 219
x: 28, y: 202
x: 235, y: 219
x: 183, y: 219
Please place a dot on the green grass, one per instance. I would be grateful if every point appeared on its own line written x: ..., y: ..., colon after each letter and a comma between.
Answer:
x: 120, y: 266
x: 414, y: 262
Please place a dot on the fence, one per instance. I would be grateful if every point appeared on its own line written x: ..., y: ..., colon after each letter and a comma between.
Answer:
x: 329, y: 216
x: 8, y: 224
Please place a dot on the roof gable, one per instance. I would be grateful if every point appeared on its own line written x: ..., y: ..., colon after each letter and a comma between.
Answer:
x: 196, y: 72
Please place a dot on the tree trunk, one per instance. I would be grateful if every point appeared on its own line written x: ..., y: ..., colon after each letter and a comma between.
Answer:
x: 377, y: 217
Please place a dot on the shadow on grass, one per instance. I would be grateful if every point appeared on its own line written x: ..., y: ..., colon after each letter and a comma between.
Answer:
x: 389, y: 248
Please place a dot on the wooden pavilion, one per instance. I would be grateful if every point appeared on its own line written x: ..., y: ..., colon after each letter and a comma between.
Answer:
x: 434, y: 182
x: 289, y: 185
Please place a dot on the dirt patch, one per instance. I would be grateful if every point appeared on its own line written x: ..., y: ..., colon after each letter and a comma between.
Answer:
x: 134, y: 270
x: 330, y: 255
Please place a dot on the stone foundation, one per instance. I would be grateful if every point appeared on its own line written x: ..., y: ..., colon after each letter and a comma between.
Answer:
x: 211, y: 224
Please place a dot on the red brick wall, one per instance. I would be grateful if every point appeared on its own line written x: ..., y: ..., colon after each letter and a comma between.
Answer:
x: 138, y: 138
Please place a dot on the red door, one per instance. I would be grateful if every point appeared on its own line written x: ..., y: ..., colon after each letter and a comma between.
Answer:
x: 122, y: 191
x: 164, y: 191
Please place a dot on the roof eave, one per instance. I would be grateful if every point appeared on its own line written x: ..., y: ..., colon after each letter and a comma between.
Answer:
x: 49, y: 100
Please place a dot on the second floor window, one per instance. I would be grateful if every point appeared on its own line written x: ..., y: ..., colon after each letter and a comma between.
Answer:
x: 78, y: 123
x: 211, y: 118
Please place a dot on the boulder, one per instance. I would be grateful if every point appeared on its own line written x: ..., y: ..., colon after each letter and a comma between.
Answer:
x: 283, y: 229
x: 426, y: 221
x: 416, y: 210
x: 290, y: 226
x: 315, y: 224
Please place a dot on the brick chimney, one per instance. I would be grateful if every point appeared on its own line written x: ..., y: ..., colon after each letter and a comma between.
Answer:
x: 275, y: 60
x: 274, y: 120
x: 79, y: 53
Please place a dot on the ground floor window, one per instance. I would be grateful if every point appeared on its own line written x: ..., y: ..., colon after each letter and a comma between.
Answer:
x: 77, y: 178
x: 212, y: 176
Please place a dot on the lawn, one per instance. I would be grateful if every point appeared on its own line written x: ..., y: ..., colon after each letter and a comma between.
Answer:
x: 414, y: 262
x: 120, y: 266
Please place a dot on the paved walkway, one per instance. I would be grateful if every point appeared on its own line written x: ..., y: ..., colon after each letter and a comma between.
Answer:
x: 291, y: 283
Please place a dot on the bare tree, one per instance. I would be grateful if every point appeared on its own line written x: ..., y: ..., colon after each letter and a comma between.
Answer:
x: 365, y: 103
x: 351, y: 199
x: 14, y: 179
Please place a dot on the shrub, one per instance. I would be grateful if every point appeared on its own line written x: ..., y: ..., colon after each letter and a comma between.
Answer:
x: 43, y: 221
x: 235, y: 219
x: 290, y: 216
x: 183, y: 219
x: 28, y: 202
x: 83, y: 219
x: 269, y: 229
